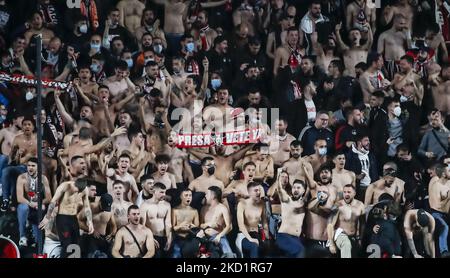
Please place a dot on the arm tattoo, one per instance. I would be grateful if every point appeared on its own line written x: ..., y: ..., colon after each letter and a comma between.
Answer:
x: 88, y: 213
x: 51, y: 207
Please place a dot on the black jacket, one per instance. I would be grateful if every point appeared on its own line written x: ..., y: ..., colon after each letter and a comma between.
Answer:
x: 352, y: 163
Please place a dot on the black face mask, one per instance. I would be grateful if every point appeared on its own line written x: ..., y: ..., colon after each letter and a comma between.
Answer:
x: 211, y: 170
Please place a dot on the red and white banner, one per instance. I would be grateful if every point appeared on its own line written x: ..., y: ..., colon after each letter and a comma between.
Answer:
x: 31, y: 81
x: 228, y: 138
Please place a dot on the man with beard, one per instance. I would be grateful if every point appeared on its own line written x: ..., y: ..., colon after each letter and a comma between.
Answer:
x: 185, y: 223
x: 309, y: 23
x: 70, y: 197
x: 251, y: 78
x: 434, y: 144
x: 134, y: 240
x: 406, y: 75
x: 207, y: 33
x: 355, y: 53
x: 179, y: 74
x: 280, y: 142
x: 340, y: 176
x: 119, y: 84
x: 113, y: 28
x: 296, y: 165
x: 147, y: 182
x: 363, y: 163
x: 348, y: 223
x: 252, y: 222
x: 290, y: 53
x: 420, y: 224
x: 292, y: 216
x: 389, y: 184
x: 373, y: 79
x: 323, y: 196
x: 264, y: 163
x: 121, y: 173
x: 325, y: 52
x: 156, y: 215
x: 150, y: 24
x: 346, y: 134
x: 215, y: 219
x: 152, y: 79
x: 119, y: 205
x: 27, y: 199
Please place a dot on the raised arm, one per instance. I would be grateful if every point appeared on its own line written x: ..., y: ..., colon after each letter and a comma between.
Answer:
x: 369, y: 41
x: 284, y: 196
x: 67, y: 118
x: 59, y: 193
x: 339, y: 40
x: 213, y: 4
x: 241, y: 153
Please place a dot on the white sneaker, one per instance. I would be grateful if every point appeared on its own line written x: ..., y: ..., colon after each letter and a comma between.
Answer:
x: 23, y: 241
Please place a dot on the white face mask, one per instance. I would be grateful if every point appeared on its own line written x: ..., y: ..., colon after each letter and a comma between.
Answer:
x: 403, y: 99
x: 322, y: 151
x: 29, y: 96
x: 83, y: 29
x: 397, y: 111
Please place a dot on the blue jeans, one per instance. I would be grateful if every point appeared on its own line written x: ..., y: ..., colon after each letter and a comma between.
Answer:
x: 3, y: 163
x: 224, y: 244
x: 9, y: 180
x: 251, y: 248
x: 440, y: 221
x: 291, y: 245
x: 176, y: 251
x: 22, y: 216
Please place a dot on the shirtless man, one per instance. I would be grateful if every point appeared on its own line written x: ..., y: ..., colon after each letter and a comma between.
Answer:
x: 207, y: 179
x: 156, y: 215
x: 280, y: 142
x: 320, y: 155
x: 151, y: 25
x: 289, y: 53
x: 436, y: 41
x: 393, y: 44
x: 134, y: 239
x: 292, y: 216
x: 37, y: 27
x: 88, y: 86
x: 130, y: 14
x: 323, y: 197
x: 27, y: 198
x: 389, y: 183
x: 406, y: 76
x: 185, y: 221
x: 402, y: 8
x: 440, y: 89
x: 121, y: 173
x: 347, y: 222
x: 175, y: 13
x: 239, y: 187
x: 207, y: 32
x: 119, y: 84
x: 355, y: 53
x: 294, y: 165
x: 360, y: 12
x: 215, y: 219
x: 341, y: 176
x: 179, y: 160
x: 6, y: 139
x: 373, y: 79
x: 419, y: 222
x: 70, y: 197
x: 104, y: 226
x: 439, y: 193
x: 263, y: 161
x: 246, y: 15
x: 224, y: 164
x: 252, y: 220
x: 162, y: 175
x: 23, y: 147
x: 119, y: 205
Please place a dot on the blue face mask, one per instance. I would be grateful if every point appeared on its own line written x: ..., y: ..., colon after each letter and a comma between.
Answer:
x: 190, y: 47
x: 129, y: 62
x: 95, y: 46
x: 158, y: 48
x: 215, y: 83
x: 95, y: 68
x: 2, y: 118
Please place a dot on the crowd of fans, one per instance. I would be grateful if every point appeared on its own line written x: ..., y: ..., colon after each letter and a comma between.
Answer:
x: 351, y: 101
